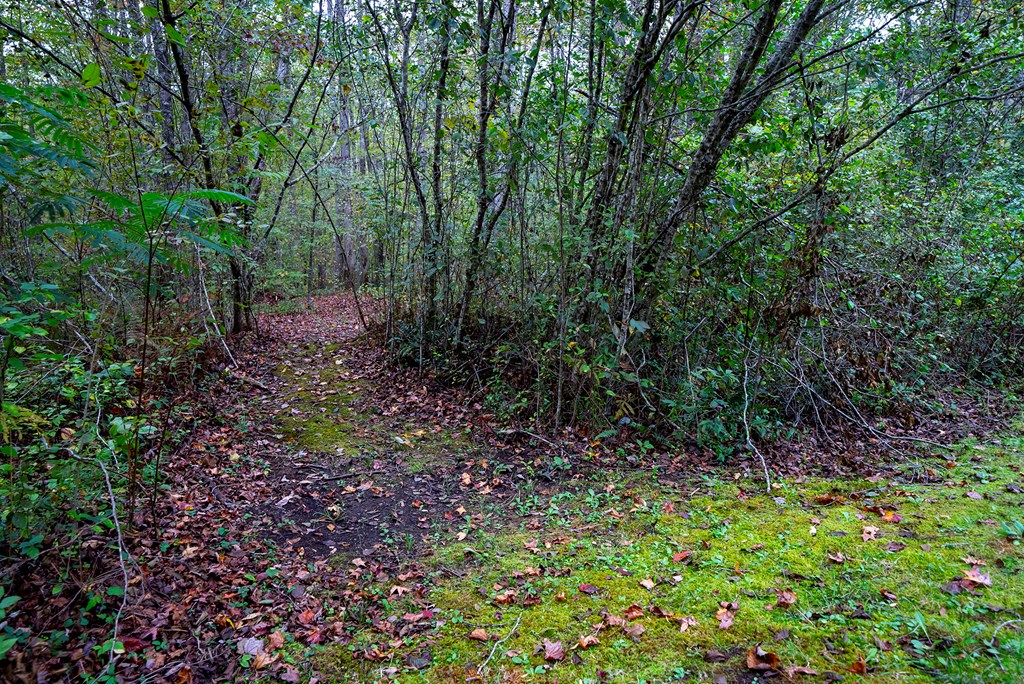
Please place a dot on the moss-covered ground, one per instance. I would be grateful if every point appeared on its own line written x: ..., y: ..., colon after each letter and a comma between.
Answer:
x: 626, y: 576
x: 626, y: 579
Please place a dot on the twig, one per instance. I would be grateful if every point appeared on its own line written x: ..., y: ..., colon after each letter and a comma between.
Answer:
x: 498, y: 643
x: 246, y: 379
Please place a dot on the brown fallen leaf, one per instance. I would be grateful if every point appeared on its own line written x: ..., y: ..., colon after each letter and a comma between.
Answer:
x: 681, y: 556
x: 837, y: 557
x: 725, y: 613
x: 613, y: 621
x: 553, y: 650
x: 634, y: 630
x: 686, y: 622
x: 787, y: 597
x: 587, y: 641
x: 971, y: 560
x: 633, y: 612
x: 974, y: 495
x: 794, y: 670
x: 976, y: 576
x: 761, y: 660
x: 479, y: 634
x: 895, y: 547
x: 859, y: 666
x: 588, y: 589
x: 275, y: 640
x: 869, y: 533
x: 647, y: 584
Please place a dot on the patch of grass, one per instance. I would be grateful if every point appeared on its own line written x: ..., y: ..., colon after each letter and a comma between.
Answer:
x: 878, y: 601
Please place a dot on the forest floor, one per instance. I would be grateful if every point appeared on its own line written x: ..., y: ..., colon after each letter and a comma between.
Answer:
x: 340, y: 520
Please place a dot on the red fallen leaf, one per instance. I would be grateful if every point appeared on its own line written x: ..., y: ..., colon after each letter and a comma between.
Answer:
x: 761, y: 660
x: 588, y: 589
x: 681, y: 556
x: 787, y: 598
x: 725, y: 613
x: 479, y: 634
x: 894, y: 547
x: 633, y: 612
x: 132, y: 644
x: 553, y: 650
x: 889, y: 595
x: 634, y: 630
x: 587, y: 641
x: 977, y: 576
x: 794, y: 670
x: 859, y: 667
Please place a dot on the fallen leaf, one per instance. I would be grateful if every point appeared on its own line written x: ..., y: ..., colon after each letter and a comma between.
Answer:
x: 974, y: 495
x: 760, y: 659
x: 588, y: 589
x: 634, y: 630
x: 479, y: 634
x: 553, y: 650
x: 587, y: 641
x: 794, y: 670
x: 633, y: 612
x: 894, y: 547
x: 888, y: 595
x: 837, y: 557
x: 725, y: 614
x: 647, y: 584
x: 976, y: 576
x: 787, y: 598
x: 868, y: 533
x: 686, y: 622
x: 859, y: 666
x: 681, y: 556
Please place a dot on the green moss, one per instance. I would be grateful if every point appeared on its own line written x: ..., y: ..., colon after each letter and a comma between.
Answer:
x: 884, y: 602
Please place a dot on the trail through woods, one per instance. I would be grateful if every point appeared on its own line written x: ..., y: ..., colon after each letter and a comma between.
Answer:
x: 334, y: 518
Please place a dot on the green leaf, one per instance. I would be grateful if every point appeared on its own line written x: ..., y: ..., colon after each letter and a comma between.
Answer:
x: 175, y: 36
x: 150, y: 12
x: 115, y: 591
x: 91, y: 75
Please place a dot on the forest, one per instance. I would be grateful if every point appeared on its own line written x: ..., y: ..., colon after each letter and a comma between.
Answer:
x: 511, y: 341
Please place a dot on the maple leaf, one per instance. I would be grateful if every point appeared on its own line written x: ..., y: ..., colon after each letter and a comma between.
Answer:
x: 553, y: 650
x: 761, y: 660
